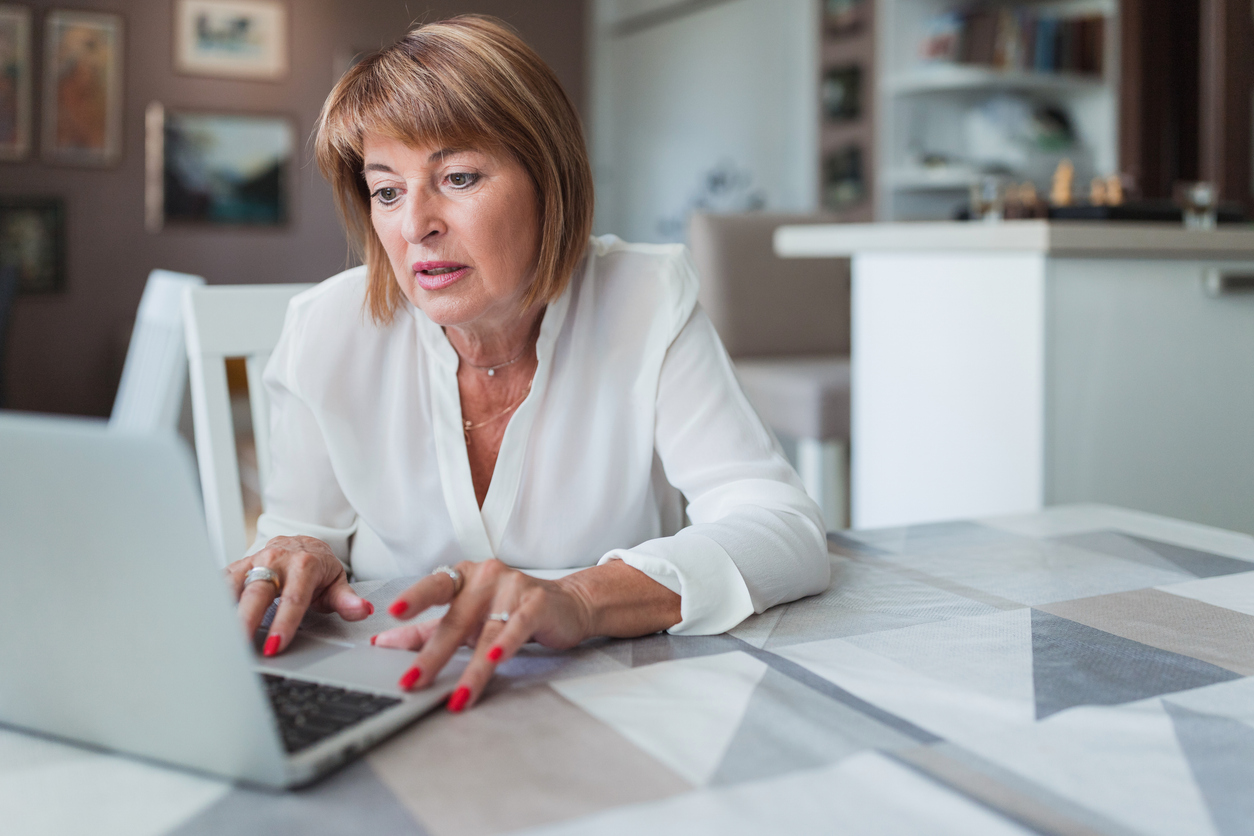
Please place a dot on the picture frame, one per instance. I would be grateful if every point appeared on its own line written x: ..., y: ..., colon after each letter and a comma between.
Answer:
x: 32, y: 238
x: 16, y: 71
x: 241, y: 39
x: 217, y: 169
x: 82, y: 88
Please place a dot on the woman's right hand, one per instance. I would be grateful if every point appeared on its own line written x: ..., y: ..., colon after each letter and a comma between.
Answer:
x: 309, y: 576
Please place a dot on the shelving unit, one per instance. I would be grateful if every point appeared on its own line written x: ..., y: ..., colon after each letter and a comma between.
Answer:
x: 847, y: 41
x: 926, y: 162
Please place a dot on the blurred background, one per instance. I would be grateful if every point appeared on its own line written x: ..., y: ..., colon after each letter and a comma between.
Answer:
x: 867, y: 110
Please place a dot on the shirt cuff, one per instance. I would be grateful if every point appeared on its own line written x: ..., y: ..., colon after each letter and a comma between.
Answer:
x: 713, y: 595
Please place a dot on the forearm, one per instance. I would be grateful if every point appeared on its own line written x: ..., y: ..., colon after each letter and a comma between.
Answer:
x: 623, y: 602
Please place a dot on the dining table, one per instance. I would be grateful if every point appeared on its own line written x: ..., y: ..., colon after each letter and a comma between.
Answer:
x: 1083, y: 669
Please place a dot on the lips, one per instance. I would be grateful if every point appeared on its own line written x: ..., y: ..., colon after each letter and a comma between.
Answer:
x: 435, y: 275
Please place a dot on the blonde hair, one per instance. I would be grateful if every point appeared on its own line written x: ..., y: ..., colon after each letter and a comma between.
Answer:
x: 464, y: 82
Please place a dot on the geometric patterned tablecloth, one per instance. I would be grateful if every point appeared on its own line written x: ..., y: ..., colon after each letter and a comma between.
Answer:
x: 1083, y: 670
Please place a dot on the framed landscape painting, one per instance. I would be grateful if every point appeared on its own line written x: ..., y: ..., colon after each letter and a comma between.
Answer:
x: 32, y: 239
x: 15, y: 82
x: 231, y: 38
x: 217, y: 168
x: 82, y: 101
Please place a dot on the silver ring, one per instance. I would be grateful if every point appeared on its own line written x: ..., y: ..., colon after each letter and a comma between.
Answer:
x: 263, y: 573
x: 499, y: 616
x: 452, y: 573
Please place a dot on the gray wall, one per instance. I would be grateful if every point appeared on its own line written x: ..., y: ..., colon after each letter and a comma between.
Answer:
x: 65, y: 352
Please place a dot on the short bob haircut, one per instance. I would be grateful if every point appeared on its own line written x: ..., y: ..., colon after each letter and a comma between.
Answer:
x: 466, y: 82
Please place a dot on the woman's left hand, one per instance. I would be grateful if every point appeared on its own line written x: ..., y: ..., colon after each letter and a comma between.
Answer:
x: 608, y: 600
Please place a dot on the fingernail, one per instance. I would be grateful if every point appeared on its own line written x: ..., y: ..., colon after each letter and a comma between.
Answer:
x: 272, y: 646
x: 398, y: 608
x: 495, y: 653
x: 369, y: 607
x: 458, y: 701
x: 411, y: 676
x: 372, y: 639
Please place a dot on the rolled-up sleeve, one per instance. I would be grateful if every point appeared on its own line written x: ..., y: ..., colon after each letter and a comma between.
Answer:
x: 756, y: 537
x: 302, y: 496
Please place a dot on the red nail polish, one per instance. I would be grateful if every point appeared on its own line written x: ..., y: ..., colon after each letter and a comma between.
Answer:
x: 372, y: 639
x: 411, y: 676
x: 398, y: 608
x: 272, y: 646
x: 369, y: 608
x: 495, y: 653
x: 458, y: 701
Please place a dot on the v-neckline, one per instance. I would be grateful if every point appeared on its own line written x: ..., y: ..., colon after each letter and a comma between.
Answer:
x: 479, y: 530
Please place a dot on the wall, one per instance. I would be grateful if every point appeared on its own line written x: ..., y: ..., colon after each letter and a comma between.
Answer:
x: 66, y: 351
x: 687, y: 90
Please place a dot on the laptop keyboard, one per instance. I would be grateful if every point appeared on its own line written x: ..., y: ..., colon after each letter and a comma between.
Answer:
x: 309, y: 711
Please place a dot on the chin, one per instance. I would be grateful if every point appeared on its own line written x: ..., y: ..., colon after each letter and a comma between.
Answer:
x: 444, y: 307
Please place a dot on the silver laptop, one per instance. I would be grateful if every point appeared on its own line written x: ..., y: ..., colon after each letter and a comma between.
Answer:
x: 117, y: 629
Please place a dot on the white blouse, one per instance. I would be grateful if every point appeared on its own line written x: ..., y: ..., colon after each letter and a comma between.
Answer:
x: 635, y: 443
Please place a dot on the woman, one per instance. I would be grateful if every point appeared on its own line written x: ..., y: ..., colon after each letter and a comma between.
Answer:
x: 497, y: 390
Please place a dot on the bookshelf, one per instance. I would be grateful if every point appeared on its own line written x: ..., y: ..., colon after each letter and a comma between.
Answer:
x: 847, y: 109
x: 1006, y: 87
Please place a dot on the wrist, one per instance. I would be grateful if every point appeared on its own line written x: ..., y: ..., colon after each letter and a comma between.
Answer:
x: 586, y: 611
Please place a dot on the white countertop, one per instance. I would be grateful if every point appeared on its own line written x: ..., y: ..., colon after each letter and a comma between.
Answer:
x: 1059, y: 239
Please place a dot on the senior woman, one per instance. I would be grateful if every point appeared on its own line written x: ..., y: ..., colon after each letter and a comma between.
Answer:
x: 496, y: 391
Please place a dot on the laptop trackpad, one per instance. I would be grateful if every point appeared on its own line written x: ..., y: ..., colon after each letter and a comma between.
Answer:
x: 354, y: 666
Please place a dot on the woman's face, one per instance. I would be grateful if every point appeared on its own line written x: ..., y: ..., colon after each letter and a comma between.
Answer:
x: 460, y: 226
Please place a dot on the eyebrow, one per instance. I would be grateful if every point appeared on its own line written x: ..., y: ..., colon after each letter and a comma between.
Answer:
x: 435, y: 157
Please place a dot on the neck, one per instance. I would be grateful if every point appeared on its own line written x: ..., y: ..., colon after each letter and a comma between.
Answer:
x: 490, y: 346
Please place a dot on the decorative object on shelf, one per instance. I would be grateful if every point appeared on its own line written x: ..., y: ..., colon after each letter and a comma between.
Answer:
x: 843, y: 183
x: 15, y: 82
x: 32, y: 240
x: 82, y: 99
x: 245, y: 39
x: 841, y: 16
x: 1200, y: 204
x: 842, y: 93
x: 1063, y: 184
x: 726, y: 187
x: 216, y: 168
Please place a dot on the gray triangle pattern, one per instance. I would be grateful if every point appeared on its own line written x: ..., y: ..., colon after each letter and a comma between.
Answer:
x: 1074, y: 664
x: 1156, y: 553
x: 336, y: 805
x: 1199, y: 563
x: 1220, y: 752
x: 789, y: 726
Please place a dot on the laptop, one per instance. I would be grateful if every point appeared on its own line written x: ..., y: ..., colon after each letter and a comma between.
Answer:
x: 118, y: 631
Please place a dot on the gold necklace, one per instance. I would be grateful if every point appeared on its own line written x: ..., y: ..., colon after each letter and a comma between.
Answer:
x: 468, y: 427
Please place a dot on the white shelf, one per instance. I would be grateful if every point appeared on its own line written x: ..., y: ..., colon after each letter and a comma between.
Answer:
x: 955, y: 77
x: 948, y: 178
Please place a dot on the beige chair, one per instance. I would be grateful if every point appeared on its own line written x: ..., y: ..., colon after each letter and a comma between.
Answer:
x: 786, y: 325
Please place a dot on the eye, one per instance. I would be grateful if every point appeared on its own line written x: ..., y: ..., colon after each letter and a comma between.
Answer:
x: 386, y: 195
x: 462, y: 179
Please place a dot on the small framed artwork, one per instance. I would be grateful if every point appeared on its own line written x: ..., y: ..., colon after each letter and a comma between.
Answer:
x: 32, y: 239
x: 82, y: 102
x: 843, y: 185
x: 217, y: 168
x: 15, y: 82
x: 231, y: 38
x: 842, y: 93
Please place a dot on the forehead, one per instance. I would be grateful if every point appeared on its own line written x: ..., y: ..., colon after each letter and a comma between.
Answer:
x: 381, y: 153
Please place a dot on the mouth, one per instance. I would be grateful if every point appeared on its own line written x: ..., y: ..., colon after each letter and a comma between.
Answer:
x: 435, y: 275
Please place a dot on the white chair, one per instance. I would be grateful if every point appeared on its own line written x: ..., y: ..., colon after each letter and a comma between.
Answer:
x: 221, y: 322
x: 786, y: 325
x: 155, y: 373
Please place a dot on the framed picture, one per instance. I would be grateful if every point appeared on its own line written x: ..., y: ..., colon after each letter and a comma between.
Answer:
x: 82, y: 103
x: 15, y: 82
x: 231, y: 38
x: 32, y: 239
x: 217, y: 168
x: 842, y: 93
x: 843, y: 185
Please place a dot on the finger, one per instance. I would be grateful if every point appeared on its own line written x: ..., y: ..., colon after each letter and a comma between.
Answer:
x: 406, y: 637
x: 464, y: 617
x: 431, y: 591
x: 299, y: 589
x: 235, y: 575
x: 497, y: 640
x: 340, y: 598
x: 255, y: 599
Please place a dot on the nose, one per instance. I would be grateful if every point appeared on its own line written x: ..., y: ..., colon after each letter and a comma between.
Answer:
x: 423, y: 219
